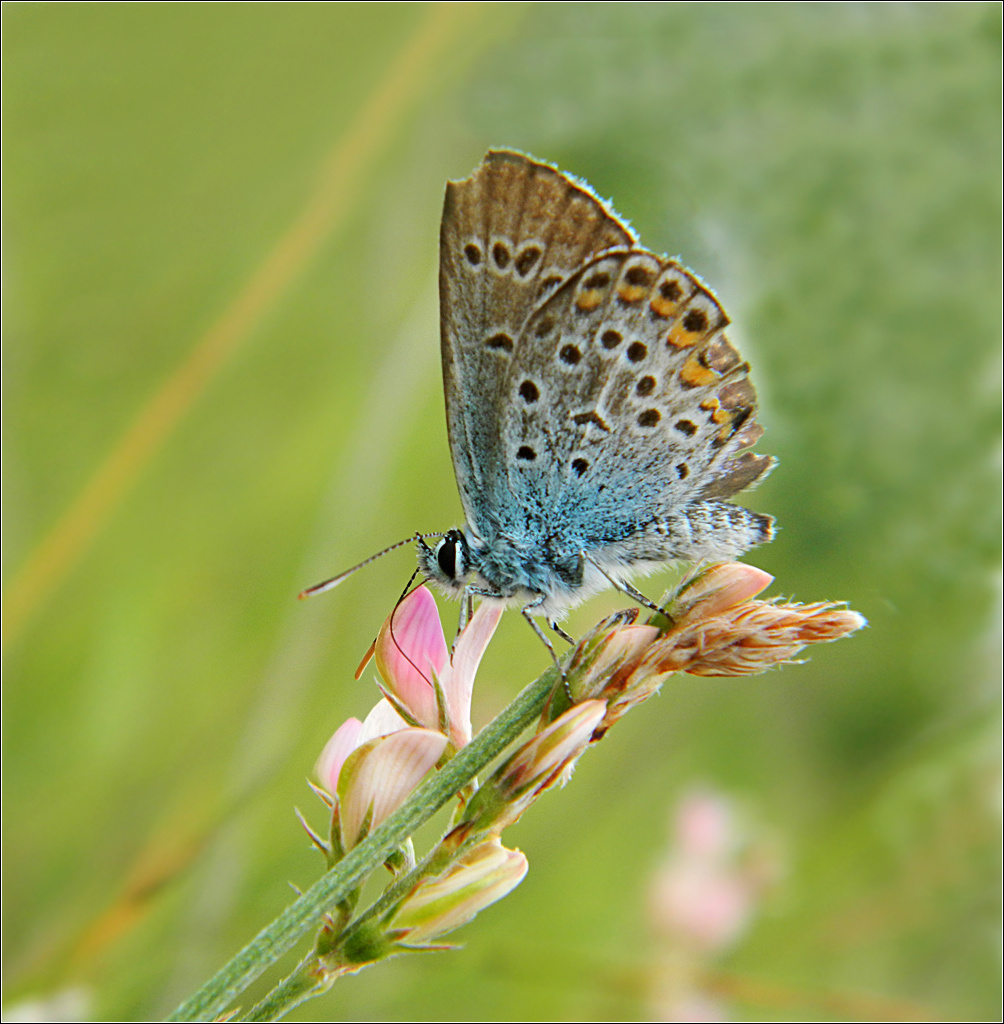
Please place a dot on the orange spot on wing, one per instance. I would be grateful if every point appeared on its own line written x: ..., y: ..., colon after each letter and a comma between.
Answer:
x: 680, y: 337
x: 663, y: 307
x: 695, y: 374
x: 631, y: 292
x: 718, y: 414
x: 589, y: 300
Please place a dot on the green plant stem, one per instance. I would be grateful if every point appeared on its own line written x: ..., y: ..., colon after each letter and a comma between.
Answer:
x: 279, y: 936
x: 303, y: 984
x: 314, y: 975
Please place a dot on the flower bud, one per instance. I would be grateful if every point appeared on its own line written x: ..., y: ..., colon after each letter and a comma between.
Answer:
x: 749, y: 638
x: 604, y: 653
x: 715, y: 589
x: 545, y: 759
x: 439, y: 905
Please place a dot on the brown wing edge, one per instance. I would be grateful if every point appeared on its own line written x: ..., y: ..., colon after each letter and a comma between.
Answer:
x: 503, y: 169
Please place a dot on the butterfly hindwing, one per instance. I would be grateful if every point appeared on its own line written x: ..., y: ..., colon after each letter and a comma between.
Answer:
x: 626, y: 403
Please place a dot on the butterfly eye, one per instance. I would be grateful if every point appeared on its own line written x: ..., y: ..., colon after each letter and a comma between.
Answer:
x: 450, y: 555
x: 446, y: 556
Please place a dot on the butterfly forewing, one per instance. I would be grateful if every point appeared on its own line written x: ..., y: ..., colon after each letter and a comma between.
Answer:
x: 511, y: 234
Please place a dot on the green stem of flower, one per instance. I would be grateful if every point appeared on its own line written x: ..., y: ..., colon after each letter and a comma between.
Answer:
x: 279, y: 936
x: 304, y: 983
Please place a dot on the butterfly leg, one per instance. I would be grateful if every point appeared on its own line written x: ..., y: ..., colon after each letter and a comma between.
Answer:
x: 526, y: 612
x: 564, y: 636
x: 466, y: 611
x: 626, y: 588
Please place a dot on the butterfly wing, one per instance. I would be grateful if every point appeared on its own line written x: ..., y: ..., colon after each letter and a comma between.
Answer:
x: 512, y: 233
x: 627, y: 414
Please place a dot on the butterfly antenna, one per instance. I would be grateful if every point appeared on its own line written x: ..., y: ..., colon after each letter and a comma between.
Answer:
x: 320, y: 588
x: 404, y: 593
x: 372, y: 648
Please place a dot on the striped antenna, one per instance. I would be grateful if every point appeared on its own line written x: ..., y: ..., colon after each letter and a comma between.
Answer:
x: 320, y: 588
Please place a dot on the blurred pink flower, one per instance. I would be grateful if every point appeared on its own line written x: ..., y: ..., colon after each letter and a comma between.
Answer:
x: 702, y: 898
x: 704, y: 905
x: 704, y: 826
x: 691, y: 1008
x: 706, y: 892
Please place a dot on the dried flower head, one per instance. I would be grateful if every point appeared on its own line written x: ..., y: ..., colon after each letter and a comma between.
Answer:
x: 716, y: 628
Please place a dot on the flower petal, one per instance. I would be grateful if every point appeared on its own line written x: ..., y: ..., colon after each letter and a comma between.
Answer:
x: 381, y: 721
x: 336, y: 750
x: 458, y: 680
x: 718, y: 588
x: 481, y: 877
x: 409, y: 648
x: 380, y: 775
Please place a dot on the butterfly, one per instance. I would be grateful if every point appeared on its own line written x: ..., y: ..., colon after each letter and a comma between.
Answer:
x: 598, y: 417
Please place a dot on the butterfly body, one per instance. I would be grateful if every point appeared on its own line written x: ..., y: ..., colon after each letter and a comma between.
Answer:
x: 598, y: 417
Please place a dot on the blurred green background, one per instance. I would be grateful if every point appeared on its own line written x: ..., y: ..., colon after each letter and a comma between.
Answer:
x: 831, y: 170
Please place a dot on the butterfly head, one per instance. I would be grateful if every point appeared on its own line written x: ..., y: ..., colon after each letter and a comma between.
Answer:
x: 448, y: 563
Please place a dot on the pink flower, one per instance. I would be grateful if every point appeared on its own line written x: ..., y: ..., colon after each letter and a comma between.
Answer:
x: 707, y: 891
x: 702, y: 904
x: 380, y: 775
x: 410, y: 651
x: 371, y: 767
x: 412, y: 657
x: 352, y: 734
